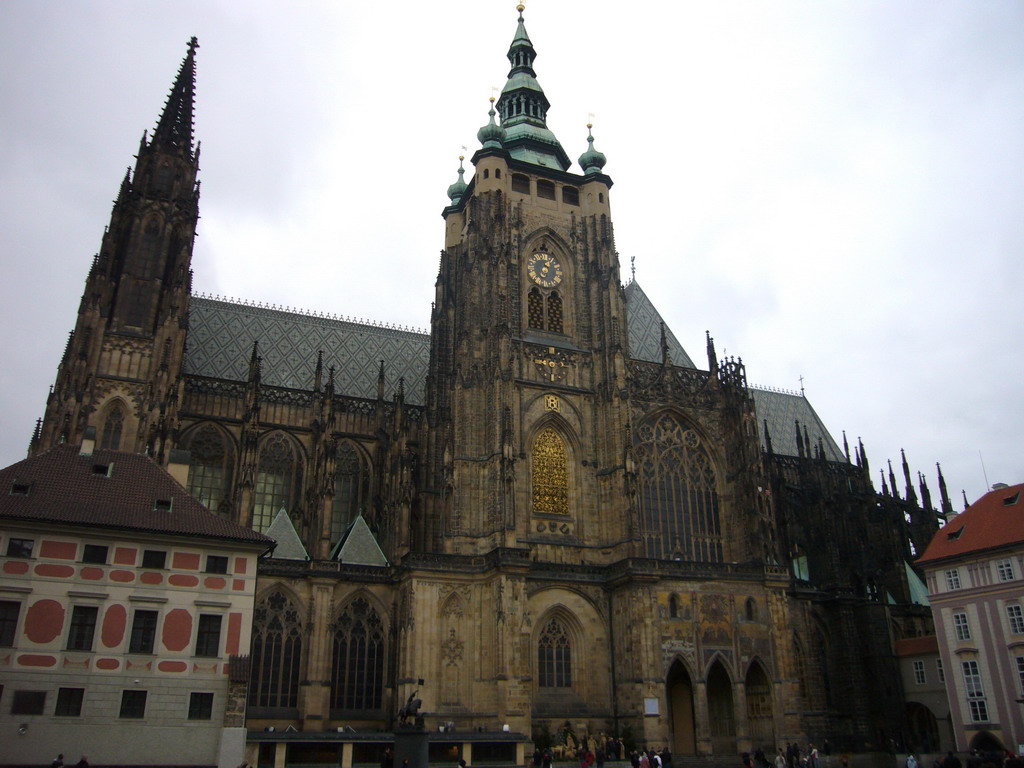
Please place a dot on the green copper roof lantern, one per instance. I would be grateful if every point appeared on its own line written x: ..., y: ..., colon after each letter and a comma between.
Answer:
x: 592, y: 161
x: 523, y: 108
x: 458, y: 190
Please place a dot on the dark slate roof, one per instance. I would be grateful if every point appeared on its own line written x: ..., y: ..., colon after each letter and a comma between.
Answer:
x: 221, y: 335
x: 645, y: 330
x: 782, y: 410
x: 995, y: 520
x: 63, y: 486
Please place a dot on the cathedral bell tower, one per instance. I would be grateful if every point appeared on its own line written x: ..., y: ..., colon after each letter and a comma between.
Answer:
x: 528, y: 429
x: 121, y: 369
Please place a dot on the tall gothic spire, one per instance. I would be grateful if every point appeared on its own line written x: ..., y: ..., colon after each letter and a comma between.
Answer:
x: 174, y: 129
x: 524, y: 108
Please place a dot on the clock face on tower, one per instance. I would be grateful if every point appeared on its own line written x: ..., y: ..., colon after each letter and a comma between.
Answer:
x: 544, y: 270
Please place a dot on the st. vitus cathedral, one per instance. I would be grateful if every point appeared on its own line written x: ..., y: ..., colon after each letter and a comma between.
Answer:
x: 543, y: 514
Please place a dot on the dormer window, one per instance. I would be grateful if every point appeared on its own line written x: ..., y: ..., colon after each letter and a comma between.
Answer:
x: 1009, y: 501
x: 163, y: 505
x: 954, y: 535
x: 20, y: 489
x: 103, y: 470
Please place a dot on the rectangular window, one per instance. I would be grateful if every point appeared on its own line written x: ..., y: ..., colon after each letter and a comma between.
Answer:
x: 69, y: 702
x: 1020, y: 672
x: 940, y: 671
x: 28, y: 702
x: 143, y: 632
x: 972, y: 679
x: 919, y: 675
x: 20, y: 547
x: 520, y: 183
x: 953, y: 579
x: 94, y: 553
x: 208, y: 636
x: 979, y: 710
x: 9, y: 610
x: 963, y: 630
x: 216, y: 564
x: 545, y: 189
x: 154, y: 558
x: 570, y: 196
x: 1005, y: 569
x: 133, y: 705
x: 1013, y: 613
x: 83, y: 627
x: 200, y: 706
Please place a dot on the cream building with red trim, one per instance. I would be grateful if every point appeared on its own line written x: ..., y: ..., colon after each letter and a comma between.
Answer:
x: 122, y: 602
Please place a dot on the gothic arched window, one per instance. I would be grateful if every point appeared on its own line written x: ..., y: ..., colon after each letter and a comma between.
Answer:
x: 678, y: 498
x: 351, y: 488
x: 550, y: 468
x: 535, y: 309
x: 276, y: 653
x: 357, y: 667
x: 555, y: 312
x: 210, y: 470
x: 277, y: 480
x: 554, y: 656
x: 149, y: 252
x: 112, y: 428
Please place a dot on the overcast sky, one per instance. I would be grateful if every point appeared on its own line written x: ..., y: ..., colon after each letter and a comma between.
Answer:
x: 833, y: 189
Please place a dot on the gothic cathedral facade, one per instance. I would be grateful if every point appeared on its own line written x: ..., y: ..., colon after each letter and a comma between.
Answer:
x: 541, y: 514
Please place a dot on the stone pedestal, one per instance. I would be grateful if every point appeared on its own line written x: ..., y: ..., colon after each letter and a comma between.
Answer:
x: 411, y: 745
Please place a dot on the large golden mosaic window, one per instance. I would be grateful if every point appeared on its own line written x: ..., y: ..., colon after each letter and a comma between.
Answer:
x: 550, y: 474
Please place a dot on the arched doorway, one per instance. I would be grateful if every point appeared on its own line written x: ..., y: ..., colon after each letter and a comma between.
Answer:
x: 679, y: 690
x: 985, y: 741
x: 759, y: 709
x: 922, y: 727
x: 720, y: 711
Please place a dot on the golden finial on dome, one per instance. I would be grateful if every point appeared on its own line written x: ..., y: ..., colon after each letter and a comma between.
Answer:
x: 520, y: 7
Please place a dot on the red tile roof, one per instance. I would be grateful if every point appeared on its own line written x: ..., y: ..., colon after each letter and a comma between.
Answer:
x: 64, y: 486
x: 994, y: 520
x: 915, y: 646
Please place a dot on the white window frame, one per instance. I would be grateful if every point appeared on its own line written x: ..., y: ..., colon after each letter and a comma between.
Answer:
x: 953, y: 579
x: 1016, y: 618
x: 920, y: 678
x: 942, y: 672
x: 962, y: 626
x: 1004, y: 569
x: 1020, y: 673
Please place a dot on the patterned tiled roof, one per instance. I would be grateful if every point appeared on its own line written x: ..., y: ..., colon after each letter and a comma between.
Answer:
x: 782, y: 410
x: 645, y: 330
x: 995, y: 520
x: 63, y: 486
x: 289, y: 545
x: 221, y: 335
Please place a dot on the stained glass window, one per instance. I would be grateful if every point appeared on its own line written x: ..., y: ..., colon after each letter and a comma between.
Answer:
x: 550, y: 474
x: 554, y: 656
x: 678, y: 497
x: 209, y: 474
x: 357, y: 669
x: 276, y: 653
x: 351, y: 488
x: 278, y: 476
